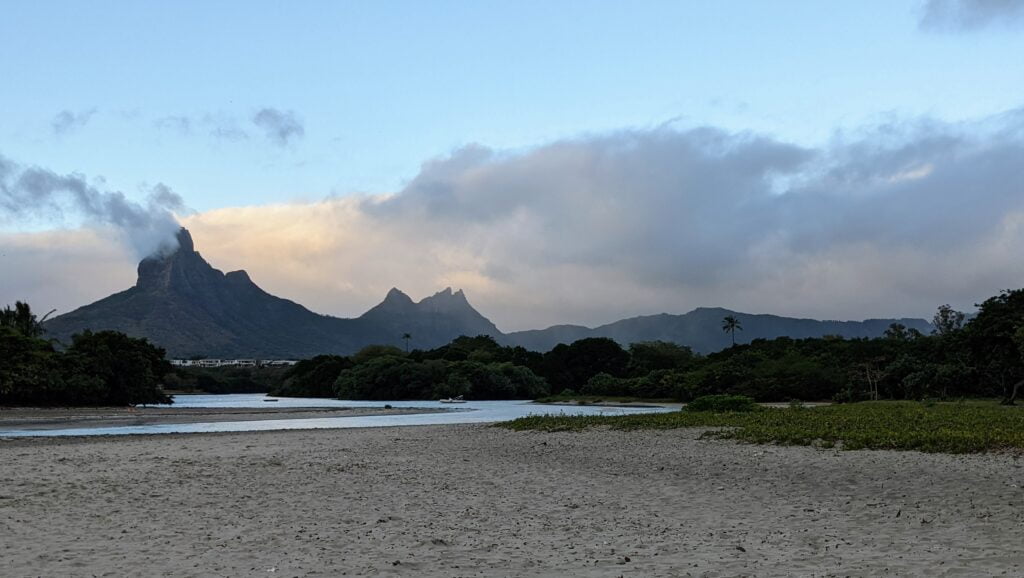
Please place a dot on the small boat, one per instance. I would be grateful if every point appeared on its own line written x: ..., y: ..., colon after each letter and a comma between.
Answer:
x: 453, y: 400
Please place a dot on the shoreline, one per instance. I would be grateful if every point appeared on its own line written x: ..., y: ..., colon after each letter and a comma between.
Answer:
x: 47, y: 419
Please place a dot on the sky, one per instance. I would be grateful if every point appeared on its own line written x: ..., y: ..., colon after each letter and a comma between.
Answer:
x: 562, y: 162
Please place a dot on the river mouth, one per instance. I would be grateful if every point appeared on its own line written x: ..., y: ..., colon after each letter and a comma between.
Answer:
x: 252, y: 412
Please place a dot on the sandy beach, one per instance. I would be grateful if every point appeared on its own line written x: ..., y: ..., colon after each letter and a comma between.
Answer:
x: 473, y: 500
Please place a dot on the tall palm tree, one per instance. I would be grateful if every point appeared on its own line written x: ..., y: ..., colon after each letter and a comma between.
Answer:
x: 406, y: 337
x: 729, y: 325
x: 23, y: 320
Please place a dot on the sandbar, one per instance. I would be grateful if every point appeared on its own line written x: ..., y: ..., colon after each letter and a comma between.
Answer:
x: 103, y: 417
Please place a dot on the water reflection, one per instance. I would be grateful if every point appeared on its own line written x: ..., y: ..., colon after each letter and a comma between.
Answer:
x: 470, y: 412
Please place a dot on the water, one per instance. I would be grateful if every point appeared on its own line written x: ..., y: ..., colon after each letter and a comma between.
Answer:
x: 469, y: 412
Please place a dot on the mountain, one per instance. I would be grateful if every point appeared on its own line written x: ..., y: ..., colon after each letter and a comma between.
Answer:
x: 183, y: 304
x: 443, y: 314
x: 701, y: 329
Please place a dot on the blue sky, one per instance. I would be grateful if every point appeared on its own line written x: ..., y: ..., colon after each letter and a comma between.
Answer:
x: 507, y: 133
x: 380, y: 87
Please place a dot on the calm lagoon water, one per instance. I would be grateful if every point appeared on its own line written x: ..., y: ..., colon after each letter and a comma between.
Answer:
x: 469, y: 412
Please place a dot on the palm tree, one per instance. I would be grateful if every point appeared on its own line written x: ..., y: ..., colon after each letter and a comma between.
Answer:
x: 22, y: 319
x: 730, y: 324
x: 406, y: 337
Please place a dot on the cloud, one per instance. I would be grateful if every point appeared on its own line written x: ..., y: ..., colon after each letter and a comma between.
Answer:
x: 179, y: 123
x: 67, y: 121
x: 970, y: 15
x: 223, y: 127
x: 39, y: 193
x: 891, y: 220
x: 217, y: 125
x: 280, y: 126
x: 63, y: 269
x: 228, y: 132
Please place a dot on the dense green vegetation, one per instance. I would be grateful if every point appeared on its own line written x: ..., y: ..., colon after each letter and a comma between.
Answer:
x: 221, y: 380
x: 480, y: 368
x: 924, y: 426
x: 103, y: 368
x: 723, y: 404
x: 474, y: 367
x: 979, y: 359
x: 312, y: 377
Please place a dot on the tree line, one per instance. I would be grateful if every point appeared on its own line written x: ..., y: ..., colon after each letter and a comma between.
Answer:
x: 980, y: 357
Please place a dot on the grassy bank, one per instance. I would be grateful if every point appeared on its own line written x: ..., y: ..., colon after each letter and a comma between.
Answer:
x: 587, y: 399
x: 928, y: 427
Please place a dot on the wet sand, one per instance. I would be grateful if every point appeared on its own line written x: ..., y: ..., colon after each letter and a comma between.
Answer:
x: 75, y: 418
x: 472, y: 500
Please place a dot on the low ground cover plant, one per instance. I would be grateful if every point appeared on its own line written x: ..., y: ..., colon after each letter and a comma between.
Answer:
x: 723, y: 403
x: 948, y: 427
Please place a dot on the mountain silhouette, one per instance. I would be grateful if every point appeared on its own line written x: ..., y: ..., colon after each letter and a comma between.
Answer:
x: 701, y: 329
x: 181, y: 303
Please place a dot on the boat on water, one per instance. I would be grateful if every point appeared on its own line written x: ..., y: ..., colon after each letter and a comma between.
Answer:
x: 453, y: 400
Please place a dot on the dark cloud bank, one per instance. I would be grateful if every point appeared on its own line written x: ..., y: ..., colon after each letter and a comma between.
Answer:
x: 38, y: 193
x: 922, y: 209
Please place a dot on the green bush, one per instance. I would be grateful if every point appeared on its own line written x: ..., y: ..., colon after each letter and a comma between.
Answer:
x: 104, y: 368
x: 722, y: 403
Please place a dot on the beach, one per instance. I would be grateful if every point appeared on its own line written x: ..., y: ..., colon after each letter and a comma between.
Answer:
x: 474, y: 500
x: 105, y: 417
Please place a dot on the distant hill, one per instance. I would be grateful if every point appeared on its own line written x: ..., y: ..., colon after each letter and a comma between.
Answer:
x: 183, y: 304
x: 701, y: 329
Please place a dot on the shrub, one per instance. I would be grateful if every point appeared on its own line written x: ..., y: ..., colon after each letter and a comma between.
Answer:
x: 722, y: 403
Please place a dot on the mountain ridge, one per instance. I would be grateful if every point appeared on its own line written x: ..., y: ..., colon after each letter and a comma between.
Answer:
x: 184, y: 304
x: 701, y: 329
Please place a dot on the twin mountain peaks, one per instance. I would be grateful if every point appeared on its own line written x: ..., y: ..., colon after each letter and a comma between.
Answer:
x: 184, y: 305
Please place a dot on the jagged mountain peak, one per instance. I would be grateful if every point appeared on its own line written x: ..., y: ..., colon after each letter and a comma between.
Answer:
x: 185, y: 244
x: 443, y: 315
x: 442, y: 294
x: 395, y: 295
x: 446, y: 294
x: 180, y: 269
x: 447, y: 301
x: 444, y: 301
x: 395, y: 303
x: 183, y: 304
